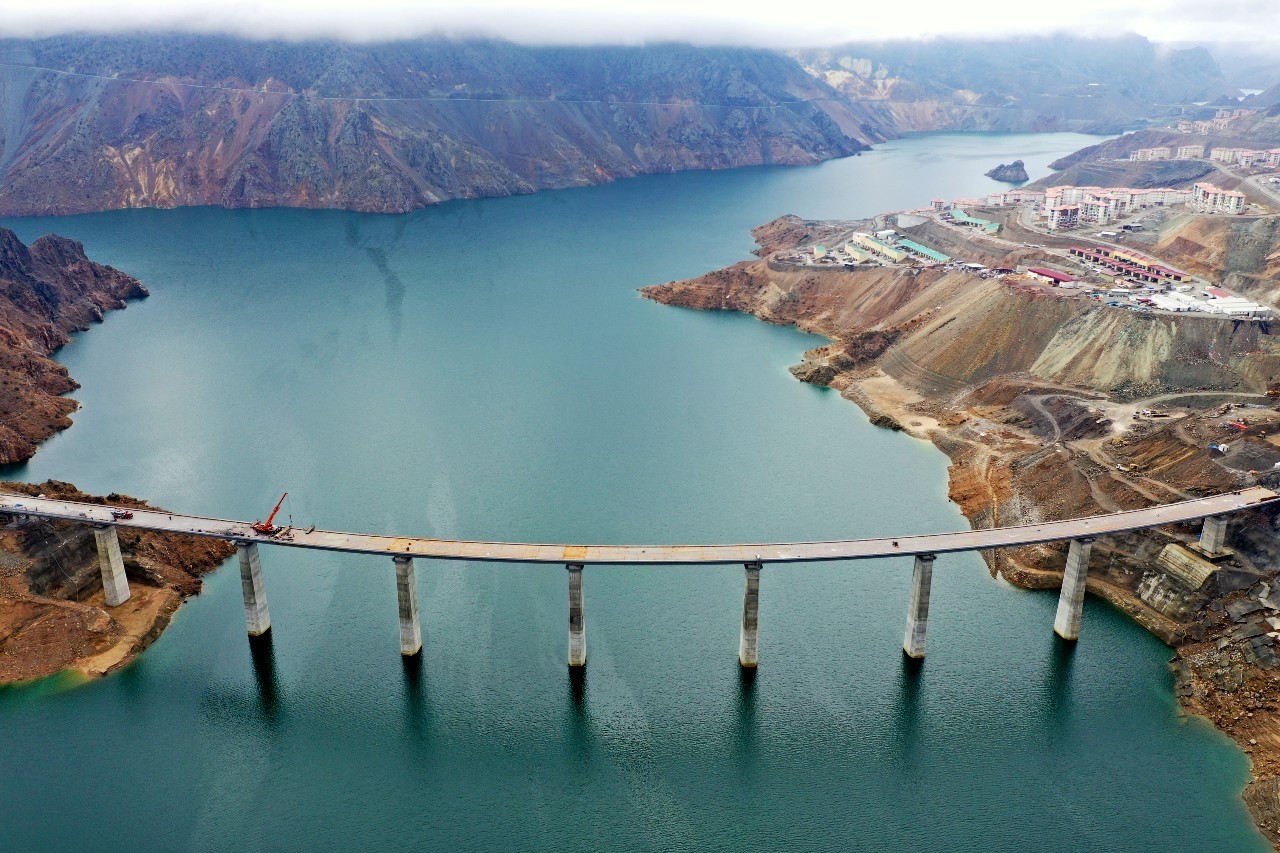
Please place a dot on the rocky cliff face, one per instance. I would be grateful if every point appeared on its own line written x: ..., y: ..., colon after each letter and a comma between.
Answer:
x: 184, y: 120
x: 47, y: 291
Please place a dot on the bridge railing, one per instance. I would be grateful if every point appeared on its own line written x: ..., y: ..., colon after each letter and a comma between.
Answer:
x: 1081, y: 533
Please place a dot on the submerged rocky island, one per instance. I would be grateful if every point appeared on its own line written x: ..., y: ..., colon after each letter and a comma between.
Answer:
x: 1012, y: 173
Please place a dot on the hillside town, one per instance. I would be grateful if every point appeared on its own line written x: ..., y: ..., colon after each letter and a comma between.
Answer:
x: 1094, y: 264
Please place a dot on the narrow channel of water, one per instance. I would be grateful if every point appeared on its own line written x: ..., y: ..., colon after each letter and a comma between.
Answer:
x: 485, y: 369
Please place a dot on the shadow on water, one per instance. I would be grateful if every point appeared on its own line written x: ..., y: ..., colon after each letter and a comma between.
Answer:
x: 578, y: 690
x: 394, y: 287
x: 1061, y: 666
x: 262, y: 653
x: 579, y: 734
x: 415, y: 695
x: 745, y: 730
x: 907, y: 710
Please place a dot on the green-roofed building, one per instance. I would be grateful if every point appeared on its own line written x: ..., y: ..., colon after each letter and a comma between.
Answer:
x: 959, y: 217
x: 923, y: 251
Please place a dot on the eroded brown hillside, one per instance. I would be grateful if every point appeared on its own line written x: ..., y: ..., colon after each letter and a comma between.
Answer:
x: 47, y: 292
x: 188, y: 120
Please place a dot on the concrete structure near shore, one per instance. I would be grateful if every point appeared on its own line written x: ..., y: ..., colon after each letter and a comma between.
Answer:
x: 115, y: 586
x: 1213, y: 534
x: 918, y: 608
x: 577, y: 617
x: 749, y: 636
x: 407, y: 598
x: 1080, y: 532
x: 256, y: 615
x: 1066, y: 623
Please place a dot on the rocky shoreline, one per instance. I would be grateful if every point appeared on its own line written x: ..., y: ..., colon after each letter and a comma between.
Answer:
x: 53, y: 617
x: 48, y: 291
x: 52, y: 614
x: 1035, y: 400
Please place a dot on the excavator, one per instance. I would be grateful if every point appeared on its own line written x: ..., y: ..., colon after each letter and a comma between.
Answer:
x: 267, y: 528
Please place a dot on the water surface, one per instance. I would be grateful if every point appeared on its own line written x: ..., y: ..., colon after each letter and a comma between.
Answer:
x: 485, y: 369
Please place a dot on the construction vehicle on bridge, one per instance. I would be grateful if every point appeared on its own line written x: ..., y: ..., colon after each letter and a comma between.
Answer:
x: 267, y: 528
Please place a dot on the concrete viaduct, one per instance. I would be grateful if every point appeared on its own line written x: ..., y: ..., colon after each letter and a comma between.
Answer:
x: 1080, y: 532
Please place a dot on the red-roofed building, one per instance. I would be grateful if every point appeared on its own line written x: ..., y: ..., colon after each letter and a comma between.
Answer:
x: 1049, y: 276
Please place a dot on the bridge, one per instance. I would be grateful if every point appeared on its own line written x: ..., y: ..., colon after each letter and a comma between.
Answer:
x: 1080, y: 532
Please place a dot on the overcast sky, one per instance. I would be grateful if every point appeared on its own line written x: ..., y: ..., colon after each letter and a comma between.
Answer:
x: 775, y: 24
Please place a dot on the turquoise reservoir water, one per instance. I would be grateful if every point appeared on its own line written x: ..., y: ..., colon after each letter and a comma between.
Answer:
x: 485, y: 369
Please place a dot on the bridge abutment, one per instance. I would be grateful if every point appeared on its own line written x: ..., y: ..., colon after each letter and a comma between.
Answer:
x: 918, y: 609
x: 577, y: 618
x: 1213, y: 534
x: 256, y: 615
x: 1071, y: 599
x: 115, y: 586
x: 407, y: 596
x: 749, y: 638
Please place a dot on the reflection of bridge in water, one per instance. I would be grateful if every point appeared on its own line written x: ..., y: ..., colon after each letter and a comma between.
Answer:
x: 1080, y: 532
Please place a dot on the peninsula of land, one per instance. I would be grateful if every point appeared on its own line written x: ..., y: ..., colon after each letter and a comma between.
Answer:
x: 52, y: 613
x: 1055, y: 400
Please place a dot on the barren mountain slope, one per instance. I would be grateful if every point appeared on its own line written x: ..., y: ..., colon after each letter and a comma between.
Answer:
x: 184, y: 120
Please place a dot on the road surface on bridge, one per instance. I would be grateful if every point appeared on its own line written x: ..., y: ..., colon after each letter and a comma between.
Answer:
x: 515, y: 552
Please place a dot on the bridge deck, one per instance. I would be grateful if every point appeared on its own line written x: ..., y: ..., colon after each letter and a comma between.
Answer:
x: 515, y: 552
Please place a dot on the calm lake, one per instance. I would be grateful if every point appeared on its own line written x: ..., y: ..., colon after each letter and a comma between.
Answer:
x: 486, y: 370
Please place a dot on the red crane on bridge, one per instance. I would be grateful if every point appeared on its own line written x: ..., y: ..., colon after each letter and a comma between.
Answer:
x: 266, y: 527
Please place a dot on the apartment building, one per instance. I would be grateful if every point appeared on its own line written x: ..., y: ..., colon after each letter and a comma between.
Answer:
x: 1162, y: 153
x: 1207, y: 198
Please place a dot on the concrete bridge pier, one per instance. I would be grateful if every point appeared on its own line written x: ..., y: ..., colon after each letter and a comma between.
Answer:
x: 577, y: 619
x: 918, y: 609
x: 256, y: 615
x: 1213, y: 534
x: 407, y: 594
x: 749, y: 638
x: 1071, y: 599
x: 115, y: 586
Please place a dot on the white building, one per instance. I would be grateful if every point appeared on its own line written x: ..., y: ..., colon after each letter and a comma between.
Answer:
x: 1063, y: 216
x: 1012, y: 197
x: 1151, y: 154
x: 1206, y: 198
x: 1105, y: 204
x: 1188, y: 152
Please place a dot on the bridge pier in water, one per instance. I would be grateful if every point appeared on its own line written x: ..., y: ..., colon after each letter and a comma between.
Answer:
x: 115, y: 586
x: 1213, y: 534
x: 407, y: 595
x: 577, y: 618
x: 918, y: 609
x: 1071, y: 599
x: 749, y: 638
x: 256, y: 615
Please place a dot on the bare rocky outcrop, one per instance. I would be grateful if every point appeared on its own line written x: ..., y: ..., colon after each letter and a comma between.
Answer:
x: 1014, y: 173
x: 48, y: 291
